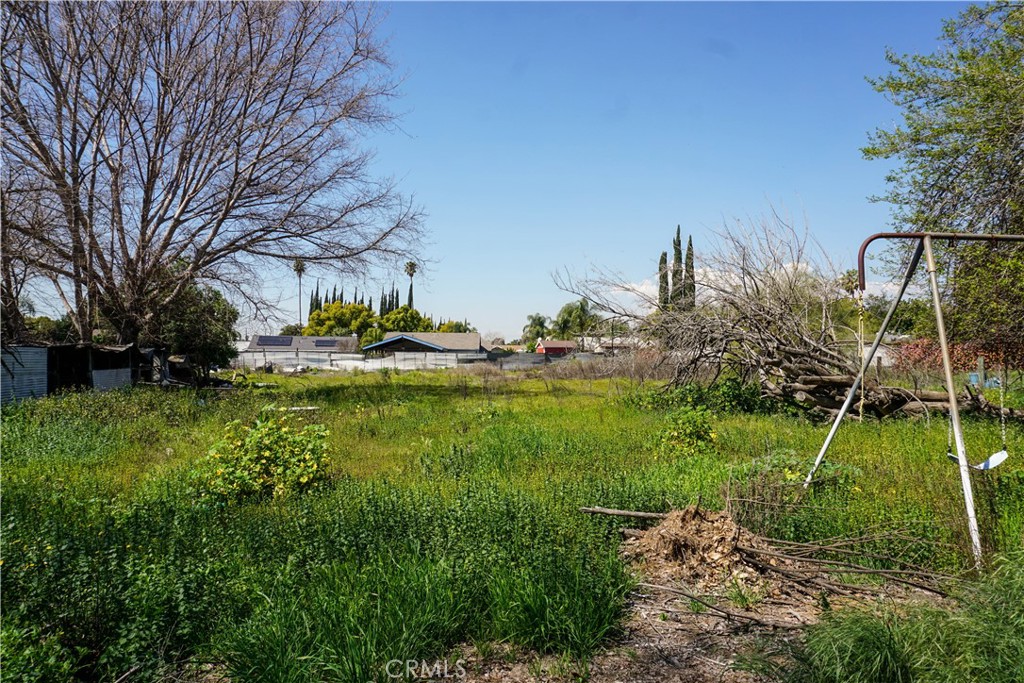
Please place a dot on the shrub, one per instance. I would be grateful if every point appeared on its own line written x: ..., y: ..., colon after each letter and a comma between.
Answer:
x: 729, y: 395
x: 271, y: 458
x: 689, y: 432
x: 31, y: 656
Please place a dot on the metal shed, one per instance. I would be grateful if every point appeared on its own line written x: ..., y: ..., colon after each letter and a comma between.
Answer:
x: 24, y: 373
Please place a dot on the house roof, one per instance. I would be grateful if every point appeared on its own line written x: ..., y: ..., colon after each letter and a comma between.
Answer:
x: 284, y: 342
x: 556, y: 344
x: 438, y: 341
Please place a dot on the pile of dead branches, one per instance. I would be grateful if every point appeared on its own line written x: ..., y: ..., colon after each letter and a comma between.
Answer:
x: 770, y: 308
x: 703, y: 554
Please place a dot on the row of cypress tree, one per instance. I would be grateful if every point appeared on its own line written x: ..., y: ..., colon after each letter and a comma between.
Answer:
x: 387, y: 302
x: 677, y: 285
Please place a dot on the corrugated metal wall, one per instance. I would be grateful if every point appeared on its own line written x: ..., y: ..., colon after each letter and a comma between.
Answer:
x: 104, y: 380
x: 24, y: 373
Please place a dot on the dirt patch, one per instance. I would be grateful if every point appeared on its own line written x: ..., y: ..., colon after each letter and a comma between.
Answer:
x: 709, y: 590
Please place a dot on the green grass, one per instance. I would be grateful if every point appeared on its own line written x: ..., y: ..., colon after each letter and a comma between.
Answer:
x: 451, y: 517
x: 978, y: 640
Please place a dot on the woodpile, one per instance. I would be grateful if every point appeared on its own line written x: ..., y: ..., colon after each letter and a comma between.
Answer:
x: 824, y: 395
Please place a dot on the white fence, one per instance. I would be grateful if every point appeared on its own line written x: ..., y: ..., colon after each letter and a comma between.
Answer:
x: 288, y: 360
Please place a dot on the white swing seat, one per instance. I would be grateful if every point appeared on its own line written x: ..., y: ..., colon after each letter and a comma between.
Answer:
x: 993, y: 461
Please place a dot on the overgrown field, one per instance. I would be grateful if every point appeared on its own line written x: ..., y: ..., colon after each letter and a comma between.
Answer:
x: 143, y: 533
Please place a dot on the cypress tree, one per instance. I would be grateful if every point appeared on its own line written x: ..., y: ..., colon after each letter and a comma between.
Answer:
x: 317, y: 301
x: 663, y: 281
x: 676, y: 293
x: 312, y: 305
x: 334, y: 294
x: 689, y: 279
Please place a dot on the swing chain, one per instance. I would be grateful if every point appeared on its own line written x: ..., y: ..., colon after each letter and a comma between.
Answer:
x: 1002, y: 409
x: 860, y: 348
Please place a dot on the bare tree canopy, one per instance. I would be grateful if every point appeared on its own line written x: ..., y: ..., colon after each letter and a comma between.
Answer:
x: 768, y: 305
x: 212, y: 136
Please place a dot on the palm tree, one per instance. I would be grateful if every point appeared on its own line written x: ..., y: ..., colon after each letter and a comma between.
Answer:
x: 299, y: 267
x: 536, y: 327
x: 410, y: 270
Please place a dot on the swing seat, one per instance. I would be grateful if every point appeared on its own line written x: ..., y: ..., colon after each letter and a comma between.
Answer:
x: 993, y: 461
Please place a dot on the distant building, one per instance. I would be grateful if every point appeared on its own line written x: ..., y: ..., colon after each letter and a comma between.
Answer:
x: 428, y: 342
x: 612, y: 345
x: 555, y: 347
x: 288, y: 352
x: 426, y: 350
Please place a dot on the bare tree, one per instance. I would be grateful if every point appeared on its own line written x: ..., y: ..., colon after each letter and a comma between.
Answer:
x: 766, y: 297
x: 212, y: 137
x: 770, y: 308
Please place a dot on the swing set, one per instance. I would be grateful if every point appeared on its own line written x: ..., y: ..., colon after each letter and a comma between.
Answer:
x: 956, y: 435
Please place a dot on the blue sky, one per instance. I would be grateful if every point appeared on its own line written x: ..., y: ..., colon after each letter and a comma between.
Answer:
x: 539, y: 137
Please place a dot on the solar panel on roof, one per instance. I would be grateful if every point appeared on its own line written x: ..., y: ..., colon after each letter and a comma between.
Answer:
x: 325, y: 343
x: 274, y: 340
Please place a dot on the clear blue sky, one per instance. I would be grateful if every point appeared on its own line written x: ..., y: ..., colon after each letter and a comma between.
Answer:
x: 541, y: 136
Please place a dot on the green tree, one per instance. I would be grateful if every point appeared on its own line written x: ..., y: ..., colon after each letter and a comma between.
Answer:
x: 676, y: 294
x: 961, y: 139
x: 405, y: 319
x: 663, y: 281
x: 574, y: 320
x: 49, y: 331
x: 689, y: 301
x: 299, y: 266
x: 914, y: 317
x: 371, y: 336
x: 293, y: 330
x: 456, y: 326
x: 201, y: 325
x: 536, y: 328
x: 410, y: 270
x: 340, y: 320
x: 987, y: 301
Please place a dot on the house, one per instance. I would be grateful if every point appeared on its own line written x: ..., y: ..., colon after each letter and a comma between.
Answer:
x: 428, y: 342
x: 553, y: 348
x: 286, y: 351
x: 611, y: 346
x: 425, y: 350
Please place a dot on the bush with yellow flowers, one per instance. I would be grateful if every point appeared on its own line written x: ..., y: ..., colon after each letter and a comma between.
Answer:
x: 270, y: 458
x: 689, y: 432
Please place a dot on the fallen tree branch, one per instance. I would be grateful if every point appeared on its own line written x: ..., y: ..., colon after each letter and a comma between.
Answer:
x: 623, y: 513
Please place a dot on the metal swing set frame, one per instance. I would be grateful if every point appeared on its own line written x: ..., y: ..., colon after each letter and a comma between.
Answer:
x: 923, y: 247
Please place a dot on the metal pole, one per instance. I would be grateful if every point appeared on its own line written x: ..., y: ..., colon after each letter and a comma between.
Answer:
x: 954, y: 411
x: 907, y: 277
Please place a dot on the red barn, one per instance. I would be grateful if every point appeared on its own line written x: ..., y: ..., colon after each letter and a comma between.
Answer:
x: 553, y: 347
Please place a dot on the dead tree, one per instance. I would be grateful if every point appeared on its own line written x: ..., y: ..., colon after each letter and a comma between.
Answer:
x: 770, y: 308
x: 200, y: 138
